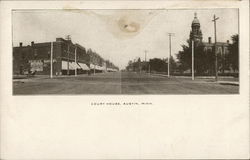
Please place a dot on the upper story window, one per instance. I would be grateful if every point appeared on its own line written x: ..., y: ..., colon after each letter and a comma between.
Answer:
x: 48, y: 54
x: 35, y: 53
x: 219, y: 50
x: 23, y: 55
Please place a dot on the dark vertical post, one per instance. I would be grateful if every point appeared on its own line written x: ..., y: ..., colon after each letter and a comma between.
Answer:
x: 146, y: 66
x: 68, y: 62
x: 192, y: 59
x: 75, y: 62
x: 215, y: 40
x: 169, y: 34
x: 51, y: 60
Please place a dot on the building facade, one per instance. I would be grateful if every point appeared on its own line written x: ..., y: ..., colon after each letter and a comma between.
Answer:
x: 221, y: 48
x: 65, y: 56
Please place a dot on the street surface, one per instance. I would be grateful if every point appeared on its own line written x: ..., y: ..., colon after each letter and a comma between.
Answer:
x: 120, y: 83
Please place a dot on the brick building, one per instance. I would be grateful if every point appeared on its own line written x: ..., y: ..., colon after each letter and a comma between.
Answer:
x: 221, y: 48
x: 36, y: 57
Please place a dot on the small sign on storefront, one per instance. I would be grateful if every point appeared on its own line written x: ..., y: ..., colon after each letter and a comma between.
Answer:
x: 36, y: 65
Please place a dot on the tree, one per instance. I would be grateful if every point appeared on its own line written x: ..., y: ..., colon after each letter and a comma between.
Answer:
x: 173, y: 65
x: 184, y: 58
x: 234, y: 52
x: 137, y: 65
x: 203, y: 60
x: 210, y: 61
x: 129, y: 66
x: 157, y: 64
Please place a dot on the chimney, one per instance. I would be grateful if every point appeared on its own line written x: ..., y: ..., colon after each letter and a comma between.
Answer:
x: 20, y: 44
x: 209, y: 39
x: 227, y: 41
x: 32, y: 43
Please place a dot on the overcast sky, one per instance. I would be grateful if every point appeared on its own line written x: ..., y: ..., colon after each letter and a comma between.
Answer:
x: 122, y: 35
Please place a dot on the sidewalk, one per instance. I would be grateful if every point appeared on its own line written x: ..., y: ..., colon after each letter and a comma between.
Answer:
x: 25, y: 77
x: 228, y: 83
x: 224, y: 80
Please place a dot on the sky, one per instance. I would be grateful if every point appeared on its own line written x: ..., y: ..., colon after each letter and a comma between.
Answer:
x: 122, y: 35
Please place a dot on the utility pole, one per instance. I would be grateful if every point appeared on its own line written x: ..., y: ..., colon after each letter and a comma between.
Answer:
x: 146, y: 61
x: 75, y: 62
x: 148, y: 67
x: 139, y: 64
x: 169, y: 56
x: 215, y: 40
x: 68, y: 61
x: 134, y: 66
x: 68, y: 38
x: 147, y: 64
x: 192, y: 59
x: 51, y: 60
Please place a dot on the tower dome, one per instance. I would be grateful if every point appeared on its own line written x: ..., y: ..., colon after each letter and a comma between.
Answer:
x: 195, y: 33
x: 195, y: 21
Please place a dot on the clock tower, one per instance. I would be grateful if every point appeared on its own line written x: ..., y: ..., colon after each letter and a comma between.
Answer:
x: 195, y: 33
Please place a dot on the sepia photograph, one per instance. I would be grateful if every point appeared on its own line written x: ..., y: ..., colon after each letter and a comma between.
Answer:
x: 132, y: 79
x: 125, y: 51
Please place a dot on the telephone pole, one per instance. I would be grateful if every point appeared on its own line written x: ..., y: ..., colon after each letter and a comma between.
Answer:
x: 170, y: 35
x: 215, y: 40
x: 51, y: 60
x: 75, y: 62
x: 68, y: 61
x: 146, y: 61
x: 68, y: 38
x: 192, y: 59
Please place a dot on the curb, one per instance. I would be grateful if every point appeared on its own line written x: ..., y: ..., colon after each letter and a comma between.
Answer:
x: 228, y: 83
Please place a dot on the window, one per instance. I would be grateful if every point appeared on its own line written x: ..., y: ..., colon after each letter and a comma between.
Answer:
x: 35, y: 53
x: 23, y: 55
x: 220, y: 50
x: 48, y: 54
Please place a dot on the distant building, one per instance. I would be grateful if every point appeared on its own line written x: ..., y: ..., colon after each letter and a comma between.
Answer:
x: 195, y: 33
x: 221, y: 47
x: 36, y: 57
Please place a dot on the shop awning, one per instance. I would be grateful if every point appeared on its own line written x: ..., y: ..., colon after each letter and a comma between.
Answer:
x: 111, y: 69
x: 65, y: 65
x: 92, y: 66
x: 83, y: 66
x: 73, y: 65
